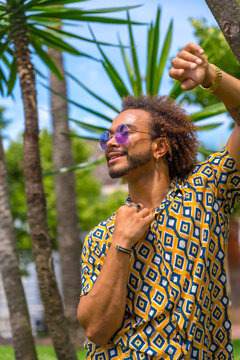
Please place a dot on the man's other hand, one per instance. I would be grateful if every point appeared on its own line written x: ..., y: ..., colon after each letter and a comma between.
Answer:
x: 192, y: 68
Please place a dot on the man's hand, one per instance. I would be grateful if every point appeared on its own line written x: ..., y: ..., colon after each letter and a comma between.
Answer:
x: 131, y: 225
x: 192, y: 68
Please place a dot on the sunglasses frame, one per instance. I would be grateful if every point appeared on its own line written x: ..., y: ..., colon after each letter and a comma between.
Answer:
x: 103, y: 143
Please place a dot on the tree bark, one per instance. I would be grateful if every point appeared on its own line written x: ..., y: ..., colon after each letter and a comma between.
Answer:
x: 36, y: 201
x: 227, y: 15
x: 68, y: 235
x: 19, y: 318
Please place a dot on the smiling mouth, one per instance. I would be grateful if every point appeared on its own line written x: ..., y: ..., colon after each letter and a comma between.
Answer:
x: 114, y: 156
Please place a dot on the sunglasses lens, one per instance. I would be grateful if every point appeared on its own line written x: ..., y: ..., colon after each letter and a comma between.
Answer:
x: 121, y: 134
x: 104, y: 138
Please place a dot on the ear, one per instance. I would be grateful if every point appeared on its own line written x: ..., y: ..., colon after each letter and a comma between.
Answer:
x: 160, y: 147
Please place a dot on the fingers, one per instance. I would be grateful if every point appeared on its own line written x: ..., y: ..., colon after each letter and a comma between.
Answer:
x: 145, y: 215
x: 183, y: 63
x: 148, y: 219
x: 190, y: 66
x: 189, y: 84
x: 137, y: 208
x: 190, y: 57
x: 193, y: 48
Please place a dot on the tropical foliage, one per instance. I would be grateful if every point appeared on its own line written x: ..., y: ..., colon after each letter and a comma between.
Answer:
x: 157, y: 51
x: 39, y: 19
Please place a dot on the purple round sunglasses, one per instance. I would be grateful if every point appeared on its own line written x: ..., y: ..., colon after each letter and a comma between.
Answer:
x: 121, y: 135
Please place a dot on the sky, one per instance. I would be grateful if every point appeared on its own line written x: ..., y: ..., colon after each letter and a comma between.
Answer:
x: 92, y: 74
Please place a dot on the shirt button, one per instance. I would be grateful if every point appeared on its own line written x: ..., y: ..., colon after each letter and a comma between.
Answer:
x: 178, y: 309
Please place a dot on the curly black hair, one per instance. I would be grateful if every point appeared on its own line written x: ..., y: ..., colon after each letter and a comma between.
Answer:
x: 170, y: 121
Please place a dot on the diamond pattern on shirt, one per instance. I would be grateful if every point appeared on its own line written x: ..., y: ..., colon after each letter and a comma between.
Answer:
x: 177, y: 302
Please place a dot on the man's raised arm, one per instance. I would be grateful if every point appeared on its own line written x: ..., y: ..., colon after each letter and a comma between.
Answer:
x: 192, y: 68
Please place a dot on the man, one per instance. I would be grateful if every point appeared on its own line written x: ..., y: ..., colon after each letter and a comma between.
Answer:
x: 154, y: 279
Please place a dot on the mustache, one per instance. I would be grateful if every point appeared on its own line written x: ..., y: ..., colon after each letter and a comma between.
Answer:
x: 113, y: 150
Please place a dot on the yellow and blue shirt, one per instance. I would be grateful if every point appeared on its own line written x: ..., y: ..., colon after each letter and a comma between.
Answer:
x: 177, y: 304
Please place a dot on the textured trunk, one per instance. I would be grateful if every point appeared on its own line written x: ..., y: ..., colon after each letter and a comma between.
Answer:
x: 67, y: 221
x: 36, y: 199
x: 20, y: 323
x: 227, y: 15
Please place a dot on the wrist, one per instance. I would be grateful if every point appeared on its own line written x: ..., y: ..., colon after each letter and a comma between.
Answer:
x: 209, y: 77
x: 119, y: 241
x: 215, y: 75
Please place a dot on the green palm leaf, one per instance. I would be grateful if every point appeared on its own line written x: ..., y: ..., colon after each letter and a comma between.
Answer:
x: 53, y: 41
x: 112, y: 72
x: 48, y: 61
x: 154, y: 53
x: 205, y: 152
x: 105, y: 102
x: 71, y: 35
x: 163, y: 59
x: 209, y: 111
x: 96, y: 113
x: 128, y: 68
x: 46, y: 3
x: 208, y: 127
x: 86, y: 125
x: 149, y: 55
x: 137, y: 76
x: 92, y: 136
x: 75, y: 14
x: 52, y: 10
x: 12, y: 77
x: 176, y: 90
x: 79, y: 167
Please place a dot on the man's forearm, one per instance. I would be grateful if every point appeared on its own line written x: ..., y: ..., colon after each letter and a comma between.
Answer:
x: 101, y: 311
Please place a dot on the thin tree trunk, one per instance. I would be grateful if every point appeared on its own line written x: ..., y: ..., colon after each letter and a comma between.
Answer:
x: 19, y: 318
x: 68, y: 235
x: 227, y: 15
x: 36, y: 201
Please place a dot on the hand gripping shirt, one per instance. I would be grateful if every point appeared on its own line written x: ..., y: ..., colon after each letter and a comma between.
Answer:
x: 177, y: 304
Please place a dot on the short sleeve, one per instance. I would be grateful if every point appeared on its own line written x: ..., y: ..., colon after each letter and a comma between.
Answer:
x: 227, y: 179
x: 93, y: 254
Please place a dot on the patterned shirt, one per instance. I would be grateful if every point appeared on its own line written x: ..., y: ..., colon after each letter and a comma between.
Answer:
x: 177, y: 304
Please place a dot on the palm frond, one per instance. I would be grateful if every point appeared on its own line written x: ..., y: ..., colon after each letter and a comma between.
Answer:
x: 103, y: 101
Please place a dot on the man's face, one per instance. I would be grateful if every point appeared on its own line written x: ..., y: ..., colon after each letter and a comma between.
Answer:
x: 137, y: 151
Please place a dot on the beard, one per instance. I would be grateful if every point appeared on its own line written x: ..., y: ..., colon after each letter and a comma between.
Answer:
x: 134, y: 162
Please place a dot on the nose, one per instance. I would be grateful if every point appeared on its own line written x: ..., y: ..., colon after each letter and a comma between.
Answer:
x: 112, y: 142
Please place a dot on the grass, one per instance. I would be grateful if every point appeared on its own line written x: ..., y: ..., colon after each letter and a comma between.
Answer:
x: 47, y: 353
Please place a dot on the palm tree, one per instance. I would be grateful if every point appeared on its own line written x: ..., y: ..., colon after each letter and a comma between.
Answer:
x: 68, y: 236
x: 19, y: 317
x: 26, y: 25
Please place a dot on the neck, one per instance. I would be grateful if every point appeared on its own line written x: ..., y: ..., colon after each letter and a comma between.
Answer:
x: 149, y: 188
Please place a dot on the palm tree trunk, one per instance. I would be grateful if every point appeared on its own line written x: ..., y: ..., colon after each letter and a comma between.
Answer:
x: 68, y: 235
x: 20, y: 323
x: 36, y: 201
x: 227, y: 15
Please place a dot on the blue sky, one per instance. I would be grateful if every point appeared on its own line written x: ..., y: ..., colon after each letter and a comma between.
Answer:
x: 92, y: 74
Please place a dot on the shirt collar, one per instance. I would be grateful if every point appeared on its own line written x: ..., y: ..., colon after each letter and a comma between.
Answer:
x: 175, y: 190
